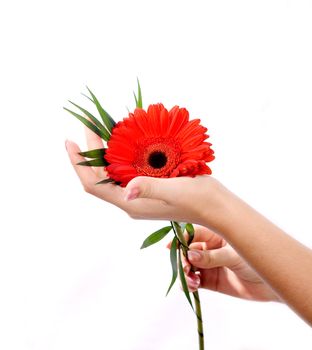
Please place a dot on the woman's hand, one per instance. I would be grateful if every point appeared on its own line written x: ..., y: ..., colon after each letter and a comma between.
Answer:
x: 280, y: 260
x: 221, y: 269
x: 181, y: 199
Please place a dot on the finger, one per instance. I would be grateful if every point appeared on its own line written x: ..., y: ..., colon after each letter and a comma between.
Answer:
x: 203, y: 234
x: 207, y: 259
x: 95, y: 142
x: 154, y: 188
x: 192, y: 281
x: 203, y: 239
x: 88, y: 178
x: 207, y: 245
x: 85, y: 173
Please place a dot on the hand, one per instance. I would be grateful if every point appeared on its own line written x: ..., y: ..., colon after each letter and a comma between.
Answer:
x: 221, y: 269
x: 182, y: 199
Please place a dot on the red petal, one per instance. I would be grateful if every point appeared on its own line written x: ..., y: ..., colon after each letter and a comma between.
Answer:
x: 140, y: 118
x: 163, y: 122
x: 153, y: 114
x: 178, y: 119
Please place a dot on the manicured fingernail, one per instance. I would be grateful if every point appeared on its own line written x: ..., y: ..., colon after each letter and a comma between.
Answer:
x: 193, y: 283
x: 193, y: 255
x: 131, y: 194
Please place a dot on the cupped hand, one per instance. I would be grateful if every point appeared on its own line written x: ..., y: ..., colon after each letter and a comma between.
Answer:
x: 181, y: 199
x: 221, y: 269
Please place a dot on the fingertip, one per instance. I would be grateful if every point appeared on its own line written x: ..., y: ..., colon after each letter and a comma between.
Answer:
x: 70, y: 144
x: 193, y: 282
x: 147, y: 187
x: 131, y: 194
x: 194, y: 256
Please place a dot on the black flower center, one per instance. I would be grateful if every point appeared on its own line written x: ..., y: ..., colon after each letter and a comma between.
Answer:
x: 157, y: 159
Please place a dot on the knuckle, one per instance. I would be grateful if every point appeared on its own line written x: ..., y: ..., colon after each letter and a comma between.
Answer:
x: 207, y: 259
x: 142, y: 183
x: 134, y: 215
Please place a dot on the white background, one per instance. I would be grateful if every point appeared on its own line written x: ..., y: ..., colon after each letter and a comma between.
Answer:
x: 71, y: 272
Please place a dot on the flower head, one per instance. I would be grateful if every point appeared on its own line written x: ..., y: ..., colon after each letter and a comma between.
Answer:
x: 158, y: 143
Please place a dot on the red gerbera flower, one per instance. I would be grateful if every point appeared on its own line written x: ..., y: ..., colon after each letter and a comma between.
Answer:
x: 158, y: 143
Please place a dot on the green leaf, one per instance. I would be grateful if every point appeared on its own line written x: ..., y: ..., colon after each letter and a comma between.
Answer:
x: 138, y: 98
x: 94, y: 120
x: 94, y: 162
x: 105, y: 181
x: 182, y: 225
x: 94, y: 153
x: 156, y: 236
x: 90, y: 125
x: 135, y: 99
x: 190, y: 230
x: 89, y: 98
x: 179, y: 233
x: 107, y: 119
x: 174, y: 264
x: 183, y: 281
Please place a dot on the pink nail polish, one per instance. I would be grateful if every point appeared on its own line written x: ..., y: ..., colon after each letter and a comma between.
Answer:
x: 193, y: 283
x: 193, y: 255
x: 132, y: 194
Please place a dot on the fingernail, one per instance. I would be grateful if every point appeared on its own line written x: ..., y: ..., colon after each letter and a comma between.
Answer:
x: 193, y: 283
x: 193, y: 255
x: 131, y: 194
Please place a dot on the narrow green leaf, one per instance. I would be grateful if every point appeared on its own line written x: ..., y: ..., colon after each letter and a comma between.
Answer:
x: 94, y: 153
x: 156, y: 236
x: 94, y: 162
x: 88, y: 124
x: 135, y: 99
x: 182, y: 225
x: 190, y: 230
x: 174, y: 264
x: 105, y: 181
x: 183, y: 281
x: 94, y: 120
x: 178, y: 233
x: 107, y: 119
x: 140, y: 101
x: 138, y: 98
x: 89, y: 98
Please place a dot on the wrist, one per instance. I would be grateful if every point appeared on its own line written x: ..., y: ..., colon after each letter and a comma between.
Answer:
x: 223, y: 210
x: 216, y: 209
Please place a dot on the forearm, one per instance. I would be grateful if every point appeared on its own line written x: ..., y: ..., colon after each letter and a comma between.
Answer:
x: 284, y: 263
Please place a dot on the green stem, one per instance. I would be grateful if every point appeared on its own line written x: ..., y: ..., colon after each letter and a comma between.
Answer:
x: 200, y: 328
x: 184, y: 246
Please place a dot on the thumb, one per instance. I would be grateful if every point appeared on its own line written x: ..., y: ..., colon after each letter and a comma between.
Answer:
x: 207, y: 259
x: 149, y: 187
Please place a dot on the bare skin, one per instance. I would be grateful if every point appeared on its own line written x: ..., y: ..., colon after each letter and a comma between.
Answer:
x: 220, y: 268
x: 272, y: 264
